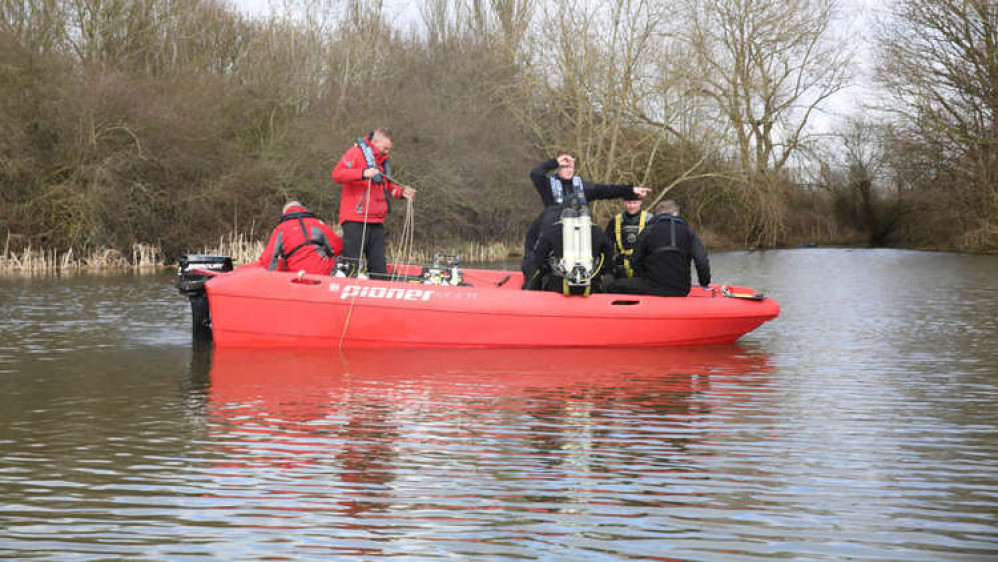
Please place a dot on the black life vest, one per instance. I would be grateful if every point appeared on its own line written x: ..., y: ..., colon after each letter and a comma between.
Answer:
x: 673, y: 221
x: 300, y: 216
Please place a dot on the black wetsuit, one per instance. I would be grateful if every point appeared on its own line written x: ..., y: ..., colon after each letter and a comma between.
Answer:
x: 662, y: 259
x: 630, y: 228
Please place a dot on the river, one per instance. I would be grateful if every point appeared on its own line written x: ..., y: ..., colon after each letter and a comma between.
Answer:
x: 861, y: 424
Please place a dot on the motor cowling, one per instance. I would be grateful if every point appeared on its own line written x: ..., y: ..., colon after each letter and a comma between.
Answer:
x: 193, y: 271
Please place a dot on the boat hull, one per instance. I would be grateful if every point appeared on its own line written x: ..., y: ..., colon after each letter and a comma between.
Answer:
x: 251, y: 307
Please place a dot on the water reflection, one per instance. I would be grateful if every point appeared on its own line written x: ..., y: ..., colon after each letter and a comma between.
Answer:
x: 865, y: 431
x: 527, y: 431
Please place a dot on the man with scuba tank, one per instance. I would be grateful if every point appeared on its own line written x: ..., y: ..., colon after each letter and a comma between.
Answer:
x: 623, y: 230
x: 301, y: 242
x: 555, y: 189
x: 662, y: 257
x: 571, y: 254
x: 365, y: 175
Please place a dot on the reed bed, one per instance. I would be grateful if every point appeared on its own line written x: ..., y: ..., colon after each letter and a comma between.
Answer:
x: 34, y: 261
x: 240, y: 247
x: 470, y: 252
x: 243, y: 250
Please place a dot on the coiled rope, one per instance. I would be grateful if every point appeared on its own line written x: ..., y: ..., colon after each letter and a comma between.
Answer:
x: 402, y: 257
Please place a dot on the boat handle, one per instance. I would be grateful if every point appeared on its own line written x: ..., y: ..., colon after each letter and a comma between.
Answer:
x: 301, y: 280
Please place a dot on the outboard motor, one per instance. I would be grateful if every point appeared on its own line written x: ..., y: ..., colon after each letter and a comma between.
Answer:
x: 576, y: 263
x: 193, y: 271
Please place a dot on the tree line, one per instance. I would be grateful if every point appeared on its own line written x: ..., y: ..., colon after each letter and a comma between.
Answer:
x: 175, y: 122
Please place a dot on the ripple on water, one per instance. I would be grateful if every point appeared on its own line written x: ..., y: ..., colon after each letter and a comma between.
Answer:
x: 859, y: 425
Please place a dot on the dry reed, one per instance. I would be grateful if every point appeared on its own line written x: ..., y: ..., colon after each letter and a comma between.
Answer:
x: 32, y: 261
x: 470, y: 252
x: 239, y: 247
x: 242, y: 250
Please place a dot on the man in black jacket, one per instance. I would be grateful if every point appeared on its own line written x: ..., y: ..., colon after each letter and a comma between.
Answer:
x: 623, y: 230
x: 555, y: 189
x: 539, y: 275
x: 662, y: 257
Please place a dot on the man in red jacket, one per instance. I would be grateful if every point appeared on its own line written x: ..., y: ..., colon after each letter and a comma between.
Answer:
x: 364, y: 173
x: 301, y: 242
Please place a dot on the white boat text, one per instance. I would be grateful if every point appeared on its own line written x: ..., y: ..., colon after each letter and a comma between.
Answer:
x: 398, y: 293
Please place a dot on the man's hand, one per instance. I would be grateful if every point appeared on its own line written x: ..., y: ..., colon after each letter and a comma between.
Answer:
x: 641, y: 191
x: 408, y: 192
x: 370, y: 173
x: 565, y: 160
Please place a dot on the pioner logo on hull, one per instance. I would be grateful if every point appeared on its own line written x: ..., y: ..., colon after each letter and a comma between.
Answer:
x: 397, y: 293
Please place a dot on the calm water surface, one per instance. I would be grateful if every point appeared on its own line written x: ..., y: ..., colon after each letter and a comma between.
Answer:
x: 862, y: 424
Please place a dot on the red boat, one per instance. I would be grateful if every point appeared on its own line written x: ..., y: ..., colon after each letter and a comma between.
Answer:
x: 253, y: 307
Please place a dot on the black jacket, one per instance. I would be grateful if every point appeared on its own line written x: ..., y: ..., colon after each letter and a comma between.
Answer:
x: 542, y: 183
x: 664, y: 251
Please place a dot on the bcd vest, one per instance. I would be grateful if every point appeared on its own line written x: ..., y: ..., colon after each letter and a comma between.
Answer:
x: 673, y: 221
x: 626, y: 252
x: 559, y: 193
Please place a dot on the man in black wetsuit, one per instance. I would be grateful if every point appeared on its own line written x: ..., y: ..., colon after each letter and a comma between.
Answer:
x: 540, y: 274
x: 555, y: 188
x: 559, y: 187
x: 623, y: 230
x: 662, y: 257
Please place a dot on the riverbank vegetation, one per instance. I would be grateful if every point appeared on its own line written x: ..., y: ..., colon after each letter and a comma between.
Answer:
x: 174, y: 124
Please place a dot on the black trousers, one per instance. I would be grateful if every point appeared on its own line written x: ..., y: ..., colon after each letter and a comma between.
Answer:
x: 374, y: 245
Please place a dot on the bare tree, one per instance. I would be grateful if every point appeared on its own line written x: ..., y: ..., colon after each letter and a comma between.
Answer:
x: 940, y: 66
x: 768, y: 65
x: 593, y: 70
x: 37, y: 24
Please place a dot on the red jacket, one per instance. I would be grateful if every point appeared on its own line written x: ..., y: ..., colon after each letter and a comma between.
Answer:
x: 309, y: 249
x: 355, y: 201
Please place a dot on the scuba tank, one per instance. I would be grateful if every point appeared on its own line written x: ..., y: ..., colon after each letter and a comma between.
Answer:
x: 576, y: 263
